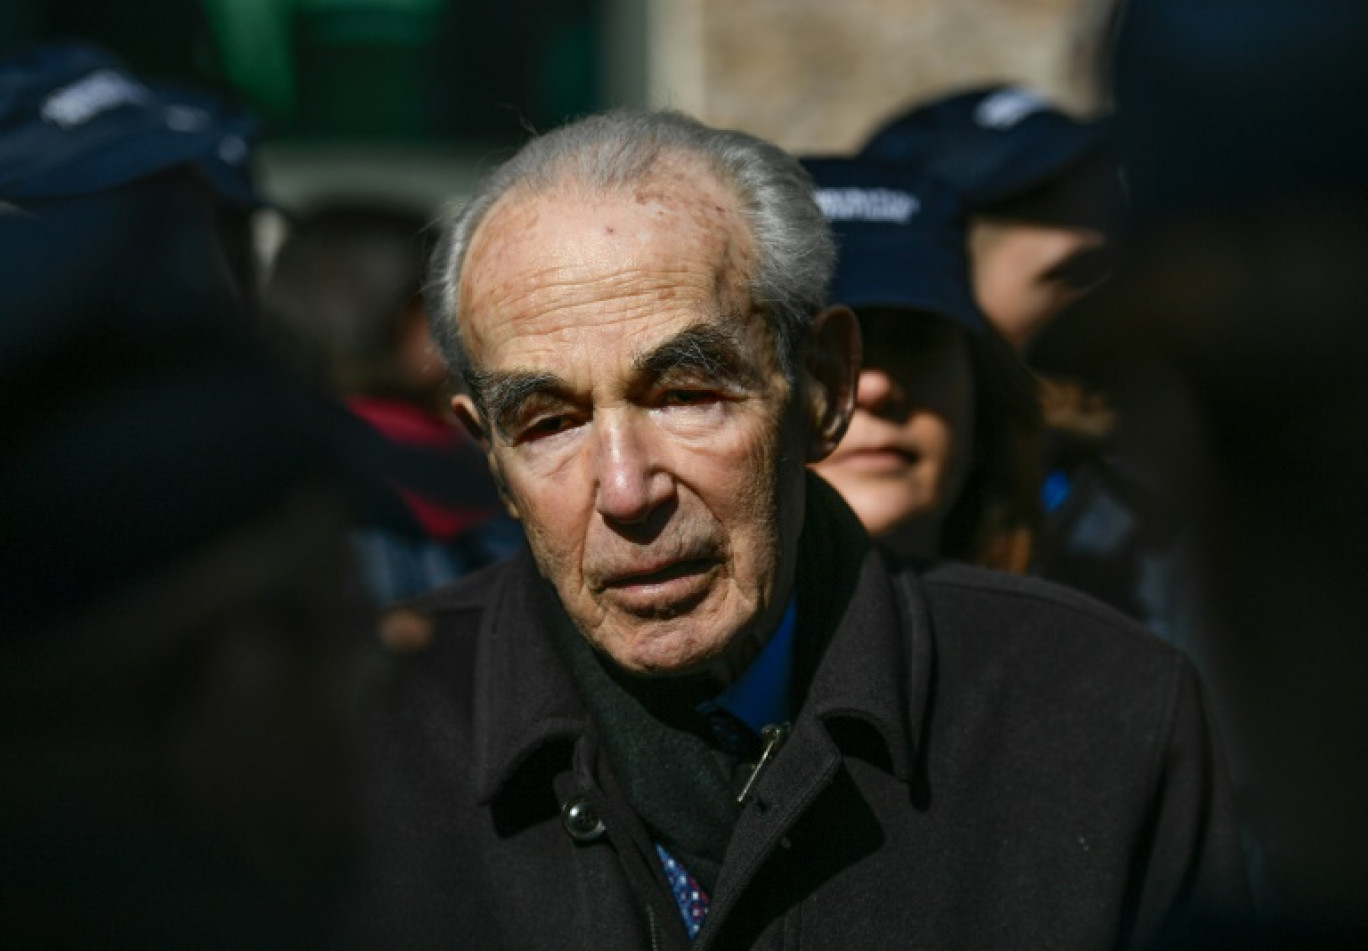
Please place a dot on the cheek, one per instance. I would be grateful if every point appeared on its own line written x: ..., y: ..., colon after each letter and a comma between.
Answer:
x: 944, y: 444
x: 723, y: 443
x: 957, y: 441
x: 996, y: 277
x: 954, y: 421
x: 554, y: 498
x: 737, y: 472
x: 1008, y: 286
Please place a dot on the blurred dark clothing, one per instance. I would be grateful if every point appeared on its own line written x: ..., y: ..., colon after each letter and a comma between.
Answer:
x: 186, y: 646
x: 1242, y: 279
x: 181, y: 760
x: 428, y: 437
x: 122, y: 337
x: 438, y: 516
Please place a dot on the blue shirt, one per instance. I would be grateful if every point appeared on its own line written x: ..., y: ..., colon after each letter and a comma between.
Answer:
x: 760, y: 696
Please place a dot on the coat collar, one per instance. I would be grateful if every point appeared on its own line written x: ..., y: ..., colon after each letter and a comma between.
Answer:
x: 863, y: 630
x: 525, y: 698
x: 867, y: 619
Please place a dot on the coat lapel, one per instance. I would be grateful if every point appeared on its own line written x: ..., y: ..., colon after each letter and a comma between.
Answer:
x: 524, y: 696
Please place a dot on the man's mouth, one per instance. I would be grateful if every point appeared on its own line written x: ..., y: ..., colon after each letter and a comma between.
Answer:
x: 682, y: 568
x: 664, y: 590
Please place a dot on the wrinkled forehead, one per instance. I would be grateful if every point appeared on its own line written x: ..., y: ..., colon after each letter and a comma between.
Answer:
x: 677, y: 234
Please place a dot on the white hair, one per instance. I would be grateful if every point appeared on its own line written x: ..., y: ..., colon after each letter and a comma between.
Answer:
x: 617, y: 150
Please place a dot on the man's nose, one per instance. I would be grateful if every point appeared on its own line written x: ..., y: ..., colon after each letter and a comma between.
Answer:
x: 631, y: 482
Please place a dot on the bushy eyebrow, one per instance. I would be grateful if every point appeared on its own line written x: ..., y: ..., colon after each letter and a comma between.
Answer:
x: 500, y: 395
x: 705, y: 349
x: 709, y: 350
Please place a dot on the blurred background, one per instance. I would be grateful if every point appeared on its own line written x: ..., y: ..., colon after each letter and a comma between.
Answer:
x: 408, y: 100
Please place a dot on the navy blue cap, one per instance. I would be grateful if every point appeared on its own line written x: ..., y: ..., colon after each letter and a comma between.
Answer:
x: 992, y: 143
x: 899, y: 236
x: 1224, y: 104
x: 74, y: 121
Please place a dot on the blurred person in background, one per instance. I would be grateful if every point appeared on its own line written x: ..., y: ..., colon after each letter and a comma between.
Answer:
x: 76, y: 122
x: 345, y: 289
x: 1040, y: 187
x: 1044, y: 193
x: 1242, y: 302
x: 941, y: 456
x: 186, y: 641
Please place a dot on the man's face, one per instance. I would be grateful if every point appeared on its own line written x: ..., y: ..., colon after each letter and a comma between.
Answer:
x: 905, y: 458
x: 1026, y: 273
x: 636, y: 415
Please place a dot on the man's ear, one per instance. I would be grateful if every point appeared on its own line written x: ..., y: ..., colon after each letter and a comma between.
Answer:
x: 832, y: 365
x: 464, y: 409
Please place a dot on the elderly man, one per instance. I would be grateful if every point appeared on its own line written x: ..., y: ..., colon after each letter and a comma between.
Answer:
x: 703, y: 707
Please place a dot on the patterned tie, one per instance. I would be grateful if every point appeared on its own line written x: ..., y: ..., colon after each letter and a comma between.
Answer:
x: 735, y: 738
x: 688, y: 894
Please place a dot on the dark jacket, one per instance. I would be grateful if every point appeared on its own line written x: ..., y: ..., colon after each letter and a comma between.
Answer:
x: 979, y: 760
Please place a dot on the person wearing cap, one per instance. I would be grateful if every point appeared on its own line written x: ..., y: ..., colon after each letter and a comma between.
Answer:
x: 1040, y: 186
x: 75, y: 122
x: 1043, y: 192
x: 702, y: 709
x: 940, y: 458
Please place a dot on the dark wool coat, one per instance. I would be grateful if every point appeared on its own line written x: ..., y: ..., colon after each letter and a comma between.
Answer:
x: 978, y: 761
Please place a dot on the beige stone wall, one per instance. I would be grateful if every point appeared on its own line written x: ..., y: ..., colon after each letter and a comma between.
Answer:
x: 818, y: 75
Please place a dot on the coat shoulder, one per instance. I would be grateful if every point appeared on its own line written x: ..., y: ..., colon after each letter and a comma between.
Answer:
x: 1053, y: 651
x: 442, y: 656
x: 1021, y: 606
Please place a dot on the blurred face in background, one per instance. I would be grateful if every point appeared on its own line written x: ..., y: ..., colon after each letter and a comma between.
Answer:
x: 1025, y: 273
x: 904, y: 460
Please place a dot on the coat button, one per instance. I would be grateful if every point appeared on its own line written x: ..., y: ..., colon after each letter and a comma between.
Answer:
x: 581, y: 821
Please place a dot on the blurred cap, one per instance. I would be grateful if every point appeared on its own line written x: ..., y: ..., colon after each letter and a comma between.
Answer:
x: 991, y: 144
x: 1239, y: 126
x: 75, y: 121
x: 1229, y: 103
x: 899, y: 236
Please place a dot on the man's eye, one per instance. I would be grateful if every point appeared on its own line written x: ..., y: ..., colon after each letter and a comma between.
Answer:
x: 541, y: 428
x: 688, y: 397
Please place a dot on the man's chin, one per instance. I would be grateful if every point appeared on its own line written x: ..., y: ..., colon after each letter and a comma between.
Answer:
x: 666, y: 648
x: 660, y: 663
